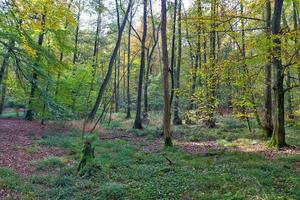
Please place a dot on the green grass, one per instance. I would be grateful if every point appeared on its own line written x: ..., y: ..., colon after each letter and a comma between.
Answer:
x: 128, y: 173
x: 12, y: 115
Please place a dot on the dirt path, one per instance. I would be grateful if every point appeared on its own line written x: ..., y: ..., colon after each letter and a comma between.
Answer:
x: 16, y: 144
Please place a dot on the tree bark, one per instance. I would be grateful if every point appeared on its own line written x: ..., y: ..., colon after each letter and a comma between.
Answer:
x: 102, y: 89
x: 138, y: 120
x: 173, y: 50
x: 177, y: 120
x: 278, y: 137
x: 3, y: 90
x: 128, y: 114
x: 95, y: 52
x: 211, y: 79
x: 268, y: 125
x: 167, y: 107
x: 149, y: 61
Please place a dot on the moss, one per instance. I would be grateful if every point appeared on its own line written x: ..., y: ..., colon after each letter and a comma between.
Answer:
x: 168, y: 142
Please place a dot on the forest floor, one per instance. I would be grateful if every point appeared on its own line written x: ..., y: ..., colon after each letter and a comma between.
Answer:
x: 39, y: 162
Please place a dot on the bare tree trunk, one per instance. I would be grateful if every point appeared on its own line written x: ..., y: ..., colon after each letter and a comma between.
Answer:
x: 138, y: 121
x: 75, y: 53
x: 3, y: 95
x: 95, y: 53
x: 278, y: 137
x: 128, y: 115
x: 149, y: 61
x: 268, y: 125
x: 167, y: 107
x: 118, y: 83
x: 288, y: 73
x: 211, y: 80
x: 145, y: 113
x: 177, y: 120
x: 173, y: 50
x: 102, y: 89
x: 3, y: 90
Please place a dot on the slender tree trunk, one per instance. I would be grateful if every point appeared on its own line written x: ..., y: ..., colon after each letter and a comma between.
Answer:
x: 289, y: 96
x: 268, y: 125
x: 173, y: 50
x: 75, y: 54
x: 149, y: 61
x: 177, y: 120
x: 102, y: 89
x: 296, y: 21
x: 211, y: 80
x: 138, y: 121
x: 145, y: 114
x: 30, y: 114
x: 288, y: 73
x: 95, y: 54
x: 118, y: 84
x: 3, y: 90
x: 167, y: 107
x: 128, y: 114
x: 3, y: 95
x: 278, y: 137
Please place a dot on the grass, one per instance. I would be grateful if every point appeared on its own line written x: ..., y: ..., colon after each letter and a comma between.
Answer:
x: 128, y: 173
x: 12, y: 115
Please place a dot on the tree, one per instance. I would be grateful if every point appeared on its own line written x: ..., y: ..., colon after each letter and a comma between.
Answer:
x: 150, y: 52
x: 165, y: 76
x: 177, y: 120
x: 268, y: 125
x: 278, y: 137
x: 128, y: 113
x: 30, y: 114
x: 212, y: 72
x: 106, y: 80
x: 173, y: 50
x: 138, y: 120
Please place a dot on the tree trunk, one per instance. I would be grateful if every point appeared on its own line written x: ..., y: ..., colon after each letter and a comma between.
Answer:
x: 3, y: 91
x: 75, y: 54
x: 167, y: 107
x: 288, y: 73
x: 118, y: 84
x: 128, y: 114
x: 278, y: 137
x: 30, y: 114
x: 149, y: 61
x: 177, y: 120
x: 268, y: 125
x: 102, y: 89
x: 95, y: 54
x: 138, y: 121
x: 173, y: 50
x: 211, y: 80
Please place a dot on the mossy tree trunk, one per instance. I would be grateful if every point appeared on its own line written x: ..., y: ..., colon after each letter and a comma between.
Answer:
x: 278, y: 137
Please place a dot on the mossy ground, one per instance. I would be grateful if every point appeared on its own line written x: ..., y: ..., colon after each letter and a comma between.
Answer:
x: 129, y: 173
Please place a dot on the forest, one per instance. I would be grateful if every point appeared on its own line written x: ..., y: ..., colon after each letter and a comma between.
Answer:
x: 150, y: 99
